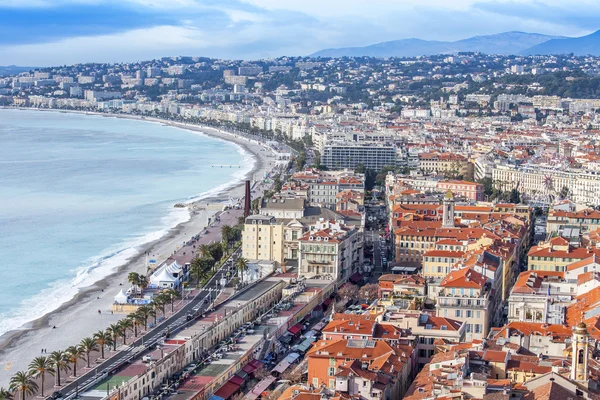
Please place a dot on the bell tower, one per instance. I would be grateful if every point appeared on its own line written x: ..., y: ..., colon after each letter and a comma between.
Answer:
x: 448, y: 211
x: 579, y: 356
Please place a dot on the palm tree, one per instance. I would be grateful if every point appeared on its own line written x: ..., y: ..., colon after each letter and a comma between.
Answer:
x: 144, y: 312
x: 143, y: 282
x: 60, y: 361
x: 75, y: 353
x: 226, y: 233
x: 5, y: 394
x: 196, y: 268
x: 39, y: 367
x: 125, y: 324
x: 160, y: 302
x: 134, y: 279
x: 103, y: 338
x: 242, y: 266
x: 88, y: 345
x: 115, y: 332
x: 23, y: 383
x: 171, y: 295
x: 204, y: 250
x: 136, y: 321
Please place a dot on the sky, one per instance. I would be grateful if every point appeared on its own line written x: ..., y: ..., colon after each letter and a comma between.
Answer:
x: 58, y: 32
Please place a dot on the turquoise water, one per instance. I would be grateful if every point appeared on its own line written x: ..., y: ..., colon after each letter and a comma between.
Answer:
x: 80, y: 194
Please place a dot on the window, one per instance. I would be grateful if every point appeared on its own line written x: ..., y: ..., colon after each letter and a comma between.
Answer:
x: 332, y: 384
x: 315, y: 382
x: 331, y: 371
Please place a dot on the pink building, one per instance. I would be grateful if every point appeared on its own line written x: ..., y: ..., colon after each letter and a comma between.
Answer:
x: 470, y: 190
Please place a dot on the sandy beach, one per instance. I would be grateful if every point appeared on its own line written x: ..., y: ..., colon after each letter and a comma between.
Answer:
x: 79, y: 317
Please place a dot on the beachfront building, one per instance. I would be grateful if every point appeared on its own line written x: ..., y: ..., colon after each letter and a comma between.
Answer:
x: 330, y: 249
x: 263, y: 239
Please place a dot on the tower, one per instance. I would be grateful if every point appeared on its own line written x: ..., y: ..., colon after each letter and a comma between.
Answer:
x: 448, y: 211
x: 579, y: 355
x: 247, y: 200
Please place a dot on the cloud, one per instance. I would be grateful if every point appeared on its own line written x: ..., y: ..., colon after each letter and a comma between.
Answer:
x: 44, y: 32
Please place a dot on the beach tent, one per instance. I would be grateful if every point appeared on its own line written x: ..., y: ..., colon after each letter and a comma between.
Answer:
x: 164, y: 279
x: 121, y: 297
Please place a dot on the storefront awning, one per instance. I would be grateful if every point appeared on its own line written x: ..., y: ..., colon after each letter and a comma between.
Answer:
x: 227, y: 390
x: 356, y: 277
x: 294, y: 330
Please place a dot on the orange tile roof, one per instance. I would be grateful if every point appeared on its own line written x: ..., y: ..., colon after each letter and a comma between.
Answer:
x: 464, y: 278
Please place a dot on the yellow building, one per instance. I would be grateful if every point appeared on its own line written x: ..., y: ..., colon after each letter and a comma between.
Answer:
x: 263, y: 239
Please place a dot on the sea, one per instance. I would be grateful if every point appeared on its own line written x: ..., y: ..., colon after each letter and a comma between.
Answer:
x: 81, y: 194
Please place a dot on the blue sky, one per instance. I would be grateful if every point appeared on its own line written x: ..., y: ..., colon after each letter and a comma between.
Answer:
x: 55, y: 32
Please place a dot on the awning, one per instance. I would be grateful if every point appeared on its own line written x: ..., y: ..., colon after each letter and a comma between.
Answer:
x: 356, y: 277
x: 238, y: 380
x: 260, y: 388
x: 327, y: 302
x: 213, y: 397
x: 294, y: 330
x: 252, y: 366
x: 263, y: 385
x: 227, y: 390
x: 282, y: 366
x: 242, y: 374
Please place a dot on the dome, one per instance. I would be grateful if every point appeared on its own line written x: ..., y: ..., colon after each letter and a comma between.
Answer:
x: 449, y: 195
x: 582, y: 325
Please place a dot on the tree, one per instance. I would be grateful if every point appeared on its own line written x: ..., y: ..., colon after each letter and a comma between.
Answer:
x: 23, y: 383
x: 88, y: 345
x: 125, y: 324
x: 242, y: 266
x: 515, y: 196
x: 75, y: 353
x: 144, y: 312
x: 103, y: 338
x: 226, y: 233
x: 135, y: 322
x: 171, y: 295
x: 204, y: 250
x: 134, y: 279
x: 5, y: 394
x: 348, y: 291
x: 115, y: 332
x: 60, y: 362
x: 39, y: 367
x: 293, y: 376
x: 369, y: 292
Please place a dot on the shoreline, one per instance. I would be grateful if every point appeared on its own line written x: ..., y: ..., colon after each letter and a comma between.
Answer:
x: 99, y: 295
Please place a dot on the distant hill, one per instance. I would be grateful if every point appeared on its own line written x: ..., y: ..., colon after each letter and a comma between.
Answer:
x: 581, y: 46
x: 13, y: 70
x: 501, y: 43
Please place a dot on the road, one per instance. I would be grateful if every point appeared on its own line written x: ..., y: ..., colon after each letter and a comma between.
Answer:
x: 174, y: 324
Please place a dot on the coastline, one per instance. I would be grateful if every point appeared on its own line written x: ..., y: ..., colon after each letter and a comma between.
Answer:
x: 18, y: 347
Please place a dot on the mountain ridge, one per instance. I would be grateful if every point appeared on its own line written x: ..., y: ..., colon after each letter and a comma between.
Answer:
x: 513, y: 42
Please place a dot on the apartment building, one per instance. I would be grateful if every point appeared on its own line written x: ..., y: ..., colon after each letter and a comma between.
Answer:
x: 375, y: 156
x: 556, y: 254
x: 446, y: 164
x: 324, y: 186
x: 263, y: 239
x: 330, y: 249
x: 465, y: 296
x: 466, y: 189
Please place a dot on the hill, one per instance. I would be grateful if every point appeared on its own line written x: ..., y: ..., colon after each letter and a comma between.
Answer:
x: 581, y: 46
x: 13, y: 70
x: 501, y: 43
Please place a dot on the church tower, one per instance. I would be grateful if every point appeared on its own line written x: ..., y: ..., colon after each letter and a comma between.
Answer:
x: 448, y: 211
x: 579, y: 356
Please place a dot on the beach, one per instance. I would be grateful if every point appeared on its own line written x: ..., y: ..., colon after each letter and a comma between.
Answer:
x: 79, y: 317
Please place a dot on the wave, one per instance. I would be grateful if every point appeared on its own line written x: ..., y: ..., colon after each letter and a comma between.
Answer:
x: 97, y: 268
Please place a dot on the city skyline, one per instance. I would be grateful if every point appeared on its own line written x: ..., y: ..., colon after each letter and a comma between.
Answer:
x: 43, y: 33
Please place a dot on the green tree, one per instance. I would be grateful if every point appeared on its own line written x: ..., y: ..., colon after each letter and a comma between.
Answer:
x: 60, y: 362
x: 104, y: 339
x: 115, y: 332
x: 39, y: 367
x: 242, y: 266
x: 88, y: 345
x: 171, y: 295
x: 5, y: 394
x: 144, y: 312
x: 124, y: 325
x: 23, y: 383
x: 515, y: 196
x: 75, y: 353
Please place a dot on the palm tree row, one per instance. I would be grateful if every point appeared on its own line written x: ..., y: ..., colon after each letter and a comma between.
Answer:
x: 58, y: 362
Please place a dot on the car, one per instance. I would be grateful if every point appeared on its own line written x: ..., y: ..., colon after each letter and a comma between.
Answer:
x: 147, y: 358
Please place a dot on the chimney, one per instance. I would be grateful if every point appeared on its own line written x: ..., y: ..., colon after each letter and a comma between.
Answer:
x: 247, y: 200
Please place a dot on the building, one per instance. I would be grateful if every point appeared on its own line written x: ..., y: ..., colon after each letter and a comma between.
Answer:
x: 375, y: 156
x: 263, y: 239
x: 466, y: 189
x: 556, y: 254
x: 448, y: 164
x: 330, y: 250
x: 465, y: 296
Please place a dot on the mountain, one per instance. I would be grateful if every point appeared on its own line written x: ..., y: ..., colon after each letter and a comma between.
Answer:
x: 501, y: 43
x: 13, y: 70
x: 581, y: 46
